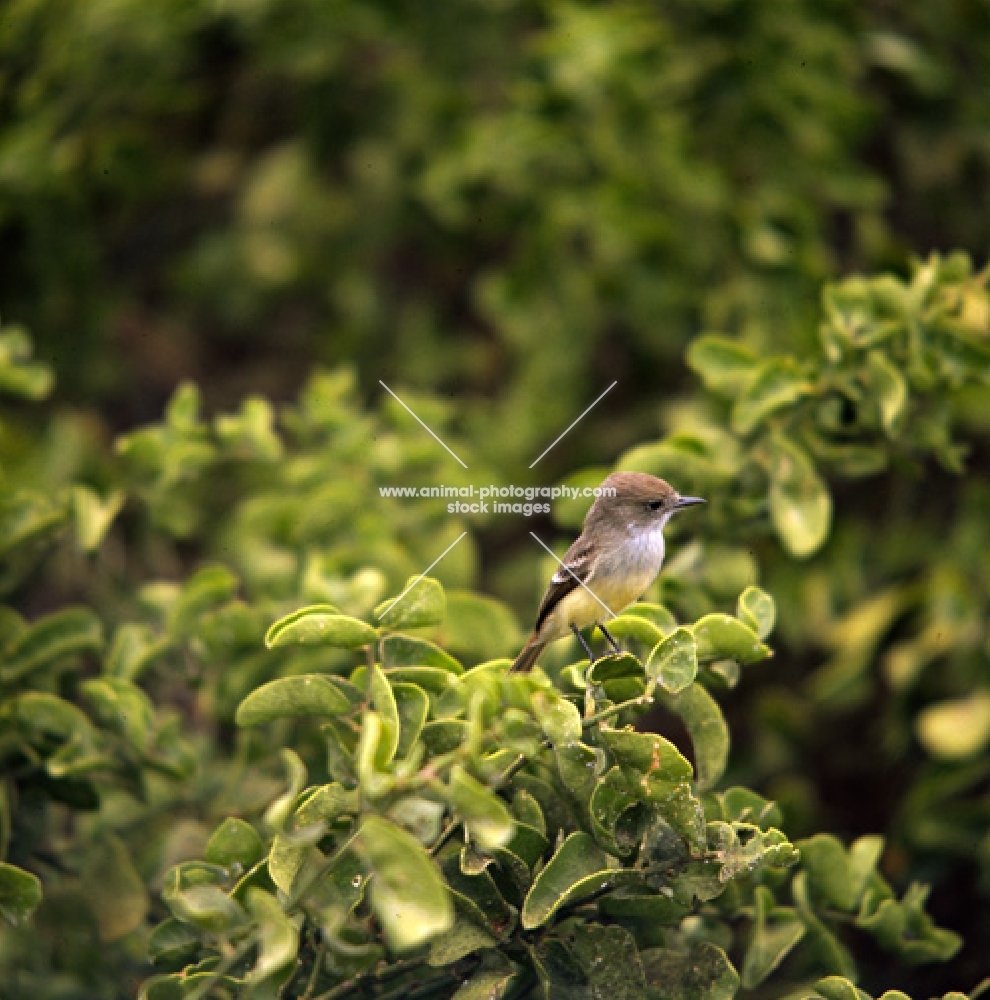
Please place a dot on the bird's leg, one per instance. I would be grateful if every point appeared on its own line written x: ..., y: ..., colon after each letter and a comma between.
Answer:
x: 611, y: 641
x: 580, y: 639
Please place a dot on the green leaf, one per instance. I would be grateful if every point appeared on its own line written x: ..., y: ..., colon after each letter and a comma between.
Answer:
x: 776, y: 930
x: 611, y: 799
x: 819, y: 938
x: 487, y: 984
x: 320, y: 624
x: 722, y: 637
x: 475, y: 893
x: 955, y: 729
x: 207, y: 907
x: 757, y: 609
x: 560, y: 975
x: 18, y: 374
x: 206, y: 590
x: 703, y: 973
x: 182, y: 410
x: 383, y: 701
x: 528, y: 812
x: 250, y: 433
x: 890, y: 387
x: 829, y: 873
x: 342, y: 740
x: 620, y: 676
x: 407, y: 651
x: 903, y: 926
x: 43, y: 718
x: 325, y: 804
x: 29, y: 526
x: 561, y: 721
x: 277, y: 814
x: 579, y: 869
x: 114, y: 889
x: 800, y: 504
x: 121, y: 706
x: 579, y: 767
x: 20, y: 893
x: 839, y: 988
x: 93, y: 516
x: 746, y: 806
x: 133, y: 649
x: 725, y: 366
x: 462, y: 939
x: 172, y: 944
x: 652, y: 909
x: 657, y: 614
x: 50, y: 639
x: 479, y: 626
x: 709, y: 734
x: 777, y: 383
x: 610, y: 961
x: 286, y: 859
x: 647, y: 753
x: 420, y: 603
x: 413, y: 706
x: 635, y: 633
x: 279, y: 938
x: 680, y: 808
x: 673, y: 663
x: 444, y: 735
x: 235, y: 842
x: 408, y: 895
x: 743, y: 849
x: 339, y: 890
x: 292, y: 697
x: 485, y: 815
x: 426, y: 679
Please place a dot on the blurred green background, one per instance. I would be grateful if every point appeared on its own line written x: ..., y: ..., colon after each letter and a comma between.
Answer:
x: 498, y: 208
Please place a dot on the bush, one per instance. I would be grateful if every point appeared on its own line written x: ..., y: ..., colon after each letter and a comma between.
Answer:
x: 353, y: 797
x: 513, y: 837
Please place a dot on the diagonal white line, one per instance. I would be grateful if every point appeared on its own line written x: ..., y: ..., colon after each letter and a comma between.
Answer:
x: 427, y: 429
x: 576, y: 577
x: 583, y: 415
x: 421, y: 575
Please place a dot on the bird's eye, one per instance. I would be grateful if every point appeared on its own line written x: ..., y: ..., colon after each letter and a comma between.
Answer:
x: 654, y: 504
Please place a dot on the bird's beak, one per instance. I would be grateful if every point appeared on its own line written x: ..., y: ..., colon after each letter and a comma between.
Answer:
x: 688, y: 502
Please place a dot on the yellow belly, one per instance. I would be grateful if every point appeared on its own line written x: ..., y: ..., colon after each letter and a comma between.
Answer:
x: 610, y: 596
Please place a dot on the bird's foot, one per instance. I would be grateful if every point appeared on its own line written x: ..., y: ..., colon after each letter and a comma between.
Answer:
x: 616, y: 648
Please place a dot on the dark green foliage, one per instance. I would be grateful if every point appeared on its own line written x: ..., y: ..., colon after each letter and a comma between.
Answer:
x: 477, y: 190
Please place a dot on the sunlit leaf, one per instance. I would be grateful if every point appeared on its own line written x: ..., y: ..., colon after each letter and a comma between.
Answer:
x: 579, y: 869
x: 279, y: 938
x: 20, y: 893
x: 674, y: 661
x: 292, y: 697
x: 722, y: 637
x: 777, y: 383
x: 320, y: 624
x: 709, y: 734
x: 421, y: 602
x: 408, y: 895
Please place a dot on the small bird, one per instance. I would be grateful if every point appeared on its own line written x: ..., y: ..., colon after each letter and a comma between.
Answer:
x: 611, y: 563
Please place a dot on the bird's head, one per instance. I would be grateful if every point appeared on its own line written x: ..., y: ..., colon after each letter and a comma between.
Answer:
x: 637, y: 501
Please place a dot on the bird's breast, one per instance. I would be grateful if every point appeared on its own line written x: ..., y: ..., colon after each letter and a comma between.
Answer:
x: 620, y: 576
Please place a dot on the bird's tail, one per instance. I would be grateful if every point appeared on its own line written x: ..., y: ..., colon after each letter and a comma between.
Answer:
x: 529, y: 654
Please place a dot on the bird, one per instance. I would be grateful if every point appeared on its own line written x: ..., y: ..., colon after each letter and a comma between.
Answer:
x: 610, y: 564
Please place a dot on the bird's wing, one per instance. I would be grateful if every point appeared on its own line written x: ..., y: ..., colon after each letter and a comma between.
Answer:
x: 577, y: 559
